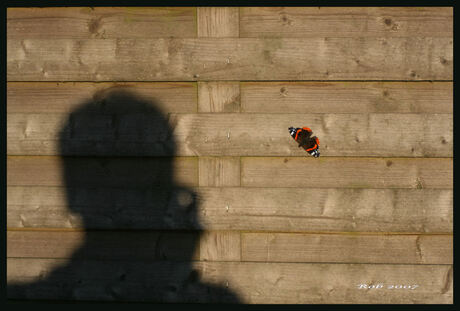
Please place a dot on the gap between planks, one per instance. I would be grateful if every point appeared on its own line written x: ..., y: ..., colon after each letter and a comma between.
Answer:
x: 213, y: 80
x: 241, y: 157
x: 354, y: 233
x: 273, y: 262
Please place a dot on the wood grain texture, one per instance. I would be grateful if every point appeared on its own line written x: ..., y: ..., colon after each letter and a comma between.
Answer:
x: 328, y: 210
x: 347, y: 172
x: 405, y: 249
x: 219, y: 171
x: 272, y: 283
x: 83, y: 207
x: 104, y: 245
x: 219, y: 96
x: 235, y: 208
x: 102, y: 172
x: 346, y: 21
x: 101, y: 22
x: 220, y: 246
x: 389, y: 135
x: 87, y: 132
x: 256, y: 97
x: 347, y: 97
x: 204, y: 59
x: 344, y: 135
x: 203, y: 196
x: 46, y: 97
x: 225, y: 246
x: 218, y: 22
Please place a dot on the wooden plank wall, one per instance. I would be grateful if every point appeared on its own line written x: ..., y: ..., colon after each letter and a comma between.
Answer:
x: 237, y: 213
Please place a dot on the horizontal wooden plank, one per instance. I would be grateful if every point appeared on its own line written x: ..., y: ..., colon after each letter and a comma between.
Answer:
x: 346, y: 21
x: 389, y: 135
x: 379, y: 134
x: 67, y: 97
x: 235, y: 208
x: 125, y: 245
x: 260, y: 97
x: 304, y: 209
x: 293, y: 247
x: 101, y: 207
x: 347, y: 172
x: 128, y: 172
x: 112, y: 114
x: 101, y: 22
x: 247, y: 282
x: 347, y: 97
x: 104, y: 245
x: 327, y: 58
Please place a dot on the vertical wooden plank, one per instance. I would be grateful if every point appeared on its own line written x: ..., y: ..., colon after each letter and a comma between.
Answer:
x: 220, y: 246
x: 218, y: 97
x: 218, y: 21
x: 219, y: 171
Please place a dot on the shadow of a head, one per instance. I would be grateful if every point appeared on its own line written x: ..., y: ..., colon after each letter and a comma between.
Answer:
x: 141, y: 229
x: 118, y: 165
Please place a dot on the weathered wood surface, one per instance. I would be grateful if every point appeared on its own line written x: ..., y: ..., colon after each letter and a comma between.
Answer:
x: 345, y: 135
x: 347, y: 172
x: 220, y: 246
x: 104, y: 245
x: 347, y: 97
x: 389, y: 135
x: 225, y: 246
x: 125, y: 245
x: 219, y: 96
x: 349, y: 210
x: 66, y: 97
x: 120, y: 22
x: 256, y: 97
x: 101, y: 22
x: 251, y: 282
x: 219, y: 171
x: 84, y: 207
x: 129, y: 172
x: 342, y: 248
x: 235, y: 208
x: 328, y: 58
x: 206, y: 197
x: 218, y: 22
x: 346, y: 21
x: 255, y: 172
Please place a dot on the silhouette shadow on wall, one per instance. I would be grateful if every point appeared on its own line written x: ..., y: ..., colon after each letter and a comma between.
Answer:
x: 119, y: 180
